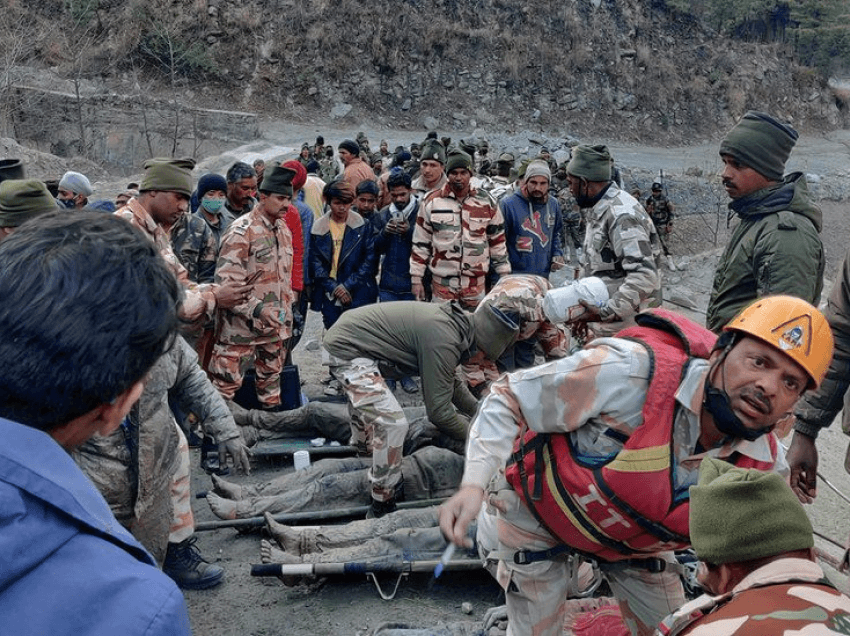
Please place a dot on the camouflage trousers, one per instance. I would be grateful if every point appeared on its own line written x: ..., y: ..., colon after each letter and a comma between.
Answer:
x: 378, y: 423
x: 537, y: 592
x: 229, y: 362
x: 182, y: 521
x: 467, y: 290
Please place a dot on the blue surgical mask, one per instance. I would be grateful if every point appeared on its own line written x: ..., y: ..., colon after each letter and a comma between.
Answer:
x: 70, y: 204
x: 213, y: 206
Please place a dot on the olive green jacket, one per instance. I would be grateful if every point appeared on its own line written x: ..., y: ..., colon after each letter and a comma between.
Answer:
x: 776, y: 249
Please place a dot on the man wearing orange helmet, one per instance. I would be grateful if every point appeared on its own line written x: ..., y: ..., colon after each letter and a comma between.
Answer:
x: 594, y: 454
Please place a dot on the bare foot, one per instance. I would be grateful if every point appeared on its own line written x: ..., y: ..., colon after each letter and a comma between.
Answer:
x: 225, y: 488
x: 271, y: 554
x: 221, y: 507
x: 288, y: 538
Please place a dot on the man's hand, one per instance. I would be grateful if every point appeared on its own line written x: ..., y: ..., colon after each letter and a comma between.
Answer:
x: 458, y: 512
x: 229, y: 295
x: 418, y: 290
x: 272, y: 316
x: 592, y: 314
x: 557, y: 263
x: 342, y: 295
x: 803, y: 459
x: 238, y: 452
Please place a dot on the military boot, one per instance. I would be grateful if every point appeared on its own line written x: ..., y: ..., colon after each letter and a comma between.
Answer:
x: 186, y: 567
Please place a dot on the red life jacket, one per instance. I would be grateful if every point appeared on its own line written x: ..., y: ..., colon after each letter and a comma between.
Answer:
x: 624, y: 507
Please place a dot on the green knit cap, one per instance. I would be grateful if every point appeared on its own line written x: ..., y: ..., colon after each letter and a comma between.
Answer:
x: 760, y: 142
x: 278, y: 180
x: 458, y: 159
x: 739, y: 514
x: 591, y: 162
x: 22, y: 200
x: 168, y: 175
x: 433, y: 150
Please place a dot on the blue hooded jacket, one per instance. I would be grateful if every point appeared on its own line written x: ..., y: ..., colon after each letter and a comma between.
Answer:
x: 66, y: 565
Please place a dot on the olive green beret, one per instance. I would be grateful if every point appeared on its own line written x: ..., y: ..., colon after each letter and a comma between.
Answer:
x: 458, y: 159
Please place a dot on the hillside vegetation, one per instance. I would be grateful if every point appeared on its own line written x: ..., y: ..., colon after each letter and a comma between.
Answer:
x: 683, y: 69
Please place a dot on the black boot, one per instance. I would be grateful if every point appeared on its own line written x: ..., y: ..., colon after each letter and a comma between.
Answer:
x: 185, y: 565
x: 381, y: 508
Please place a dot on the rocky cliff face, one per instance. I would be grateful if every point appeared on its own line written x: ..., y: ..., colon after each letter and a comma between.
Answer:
x: 624, y: 69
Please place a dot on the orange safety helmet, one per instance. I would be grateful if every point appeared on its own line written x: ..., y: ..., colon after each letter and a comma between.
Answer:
x: 794, y: 327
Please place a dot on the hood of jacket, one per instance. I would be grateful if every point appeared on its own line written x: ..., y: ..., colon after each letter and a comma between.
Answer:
x: 792, y: 194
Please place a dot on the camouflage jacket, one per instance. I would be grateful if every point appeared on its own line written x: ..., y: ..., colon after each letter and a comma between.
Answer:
x: 421, y: 189
x: 787, y: 596
x: 571, y: 214
x: 258, y: 252
x: 620, y: 246
x: 659, y: 209
x: 225, y: 218
x: 199, y: 302
x: 596, y: 396
x: 328, y: 169
x: 195, y: 246
x: 134, y: 465
x: 455, y: 237
x: 523, y: 294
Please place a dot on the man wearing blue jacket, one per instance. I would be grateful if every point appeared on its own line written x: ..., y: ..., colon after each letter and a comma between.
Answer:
x: 88, y: 307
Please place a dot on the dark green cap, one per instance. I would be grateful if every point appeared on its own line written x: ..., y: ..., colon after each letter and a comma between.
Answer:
x: 22, y: 200
x: 168, y: 175
x: 458, y: 159
x: 591, y: 162
x: 278, y: 180
x: 739, y: 514
x: 433, y: 150
x: 760, y: 142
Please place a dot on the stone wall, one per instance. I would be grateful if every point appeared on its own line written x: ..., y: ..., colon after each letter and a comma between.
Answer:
x: 122, y: 131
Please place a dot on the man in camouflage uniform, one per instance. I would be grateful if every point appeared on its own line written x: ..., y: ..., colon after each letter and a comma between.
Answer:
x: 328, y: 166
x: 660, y: 210
x: 621, y: 245
x: 758, y: 567
x: 406, y: 338
x: 519, y: 296
x: 459, y: 237
x: 195, y: 246
x: 573, y: 224
x: 432, y: 175
x: 595, y: 452
x: 163, y: 198
x: 257, y: 251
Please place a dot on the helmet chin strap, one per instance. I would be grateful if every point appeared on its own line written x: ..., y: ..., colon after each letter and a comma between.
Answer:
x: 717, y: 402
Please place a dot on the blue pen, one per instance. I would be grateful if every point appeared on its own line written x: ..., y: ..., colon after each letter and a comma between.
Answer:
x: 448, y: 553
